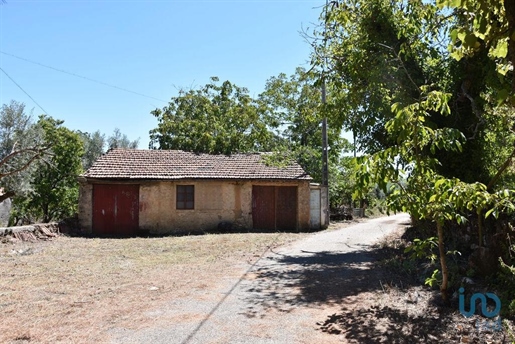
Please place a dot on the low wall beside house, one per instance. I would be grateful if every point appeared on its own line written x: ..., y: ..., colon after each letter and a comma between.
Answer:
x: 32, y: 232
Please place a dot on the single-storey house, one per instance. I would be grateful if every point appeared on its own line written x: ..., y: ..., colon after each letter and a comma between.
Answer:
x: 130, y: 192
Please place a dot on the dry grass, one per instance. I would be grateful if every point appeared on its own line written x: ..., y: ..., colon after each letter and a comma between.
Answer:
x: 74, y: 290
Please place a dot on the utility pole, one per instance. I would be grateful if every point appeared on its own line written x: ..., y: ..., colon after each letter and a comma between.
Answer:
x: 325, y: 170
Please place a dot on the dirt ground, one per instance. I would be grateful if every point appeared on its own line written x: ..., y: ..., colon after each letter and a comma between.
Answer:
x: 402, y: 310
x: 74, y: 290
x: 79, y: 290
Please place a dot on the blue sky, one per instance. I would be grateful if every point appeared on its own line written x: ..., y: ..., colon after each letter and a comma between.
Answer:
x: 148, y: 47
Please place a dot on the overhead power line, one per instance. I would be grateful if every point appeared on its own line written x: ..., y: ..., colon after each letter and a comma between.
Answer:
x: 21, y: 88
x: 82, y: 77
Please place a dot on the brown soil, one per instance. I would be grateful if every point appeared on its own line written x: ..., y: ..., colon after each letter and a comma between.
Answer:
x: 401, y: 310
x: 74, y: 290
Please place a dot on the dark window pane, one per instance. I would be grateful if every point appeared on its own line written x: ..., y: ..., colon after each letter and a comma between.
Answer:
x: 185, y: 197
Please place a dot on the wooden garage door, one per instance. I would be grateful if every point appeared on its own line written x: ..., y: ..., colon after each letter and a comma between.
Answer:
x: 286, y: 207
x: 263, y: 207
x: 274, y: 207
x: 115, y: 209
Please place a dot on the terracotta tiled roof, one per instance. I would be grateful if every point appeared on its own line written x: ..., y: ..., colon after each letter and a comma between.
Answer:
x: 176, y: 164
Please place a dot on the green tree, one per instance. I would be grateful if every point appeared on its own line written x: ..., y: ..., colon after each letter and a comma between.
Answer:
x: 93, y: 144
x: 342, y: 184
x: 54, y: 187
x: 374, y: 53
x: 380, y: 52
x: 119, y: 140
x: 293, y: 109
x: 490, y: 32
x: 213, y: 119
x: 423, y: 111
x: 20, y: 147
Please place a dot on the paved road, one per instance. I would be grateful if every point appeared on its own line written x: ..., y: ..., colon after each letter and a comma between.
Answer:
x: 281, y: 296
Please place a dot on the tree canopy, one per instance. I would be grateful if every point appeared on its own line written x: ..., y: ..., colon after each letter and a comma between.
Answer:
x: 284, y: 119
x: 119, y: 140
x: 54, y: 188
x: 220, y: 119
x: 21, y: 146
x: 421, y: 82
x: 96, y: 143
x: 293, y: 109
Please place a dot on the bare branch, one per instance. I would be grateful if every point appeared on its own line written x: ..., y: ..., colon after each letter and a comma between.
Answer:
x: 397, y: 55
x: 14, y: 147
x: 475, y: 111
x: 37, y: 151
x: 501, y: 170
x: 6, y: 195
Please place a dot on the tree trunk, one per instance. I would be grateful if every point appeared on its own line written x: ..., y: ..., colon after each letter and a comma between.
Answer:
x: 443, y: 263
x: 480, y: 226
x: 6, y: 195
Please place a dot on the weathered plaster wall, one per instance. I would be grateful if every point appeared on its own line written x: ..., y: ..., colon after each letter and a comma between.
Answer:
x: 304, y: 193
x: 215, y: 202
x: 85, y: 206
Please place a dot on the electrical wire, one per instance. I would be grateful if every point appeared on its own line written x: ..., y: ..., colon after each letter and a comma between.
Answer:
x: 21, y: 88
x: 82, y: 77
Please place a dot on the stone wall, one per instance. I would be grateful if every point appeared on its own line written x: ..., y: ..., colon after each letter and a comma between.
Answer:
x: 5, y: 212
x: 31, y: 232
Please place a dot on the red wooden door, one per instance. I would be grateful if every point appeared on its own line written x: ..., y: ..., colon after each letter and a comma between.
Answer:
x: 274, y: 207
x: 115, y: 209
x: 286, y: 208
x: 263, y: 207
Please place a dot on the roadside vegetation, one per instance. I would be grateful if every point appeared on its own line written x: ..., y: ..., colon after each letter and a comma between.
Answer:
x: 427, y: 89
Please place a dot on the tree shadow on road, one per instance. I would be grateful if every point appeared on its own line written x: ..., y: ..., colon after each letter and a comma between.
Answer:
x: 313, y: 278
x: 375, y: 305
